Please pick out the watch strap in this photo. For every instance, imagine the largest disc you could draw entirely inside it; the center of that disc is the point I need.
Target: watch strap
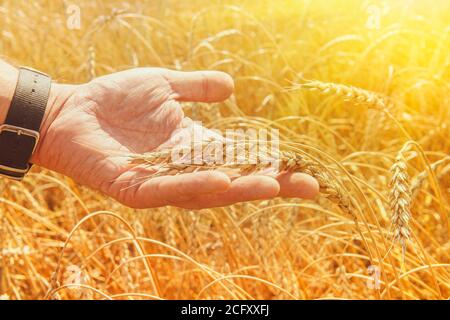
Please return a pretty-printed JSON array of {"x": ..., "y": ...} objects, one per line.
[
  {"x": 30, "y": 100},
  {"x": 19, "y": 134}
]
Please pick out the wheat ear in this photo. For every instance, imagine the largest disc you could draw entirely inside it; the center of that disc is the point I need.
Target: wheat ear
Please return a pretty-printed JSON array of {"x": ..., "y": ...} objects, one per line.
[
  {"x": 91, "y": 63},
  {"x": 348, "y": 93},
  {"x": 295, "y": 162},
  {"x": 288, "y": 161},
  {"x": 400, "y": 199}
]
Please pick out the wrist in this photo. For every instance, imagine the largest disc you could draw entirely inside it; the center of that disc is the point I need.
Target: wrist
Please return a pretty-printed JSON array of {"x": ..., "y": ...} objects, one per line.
[
  {"x": 8, "y": 81},
  {"x": 59, "y": 93},
  {"x": 29, "y": 102}
]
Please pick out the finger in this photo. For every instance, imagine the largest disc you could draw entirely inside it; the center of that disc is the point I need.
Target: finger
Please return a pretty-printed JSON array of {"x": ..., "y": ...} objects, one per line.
[
  {"x": 297, "y": 185},
  {"x": 162, "y": 191},
  {"x": 242, "y": 189},
  {"x": 201, "y": 86}
]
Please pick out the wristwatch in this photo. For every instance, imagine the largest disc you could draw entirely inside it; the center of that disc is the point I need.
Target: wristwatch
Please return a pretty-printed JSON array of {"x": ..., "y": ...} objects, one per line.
[{"x": 19, "y": 135}]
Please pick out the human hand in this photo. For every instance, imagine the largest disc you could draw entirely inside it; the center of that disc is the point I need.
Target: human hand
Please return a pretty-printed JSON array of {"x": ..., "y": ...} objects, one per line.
[{"x": 88, "y": 128}]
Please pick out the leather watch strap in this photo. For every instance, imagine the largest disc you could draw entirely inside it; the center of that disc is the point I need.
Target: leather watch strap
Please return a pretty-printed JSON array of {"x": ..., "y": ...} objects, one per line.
[{"x": 19, "y": 134}]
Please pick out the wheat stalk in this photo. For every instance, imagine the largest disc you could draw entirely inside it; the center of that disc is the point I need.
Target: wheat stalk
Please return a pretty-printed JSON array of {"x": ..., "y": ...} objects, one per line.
[
  {"x": 400, "y": 199},
  {"x": 287, "y": 161},
  {"x": 420, "y": 179}
]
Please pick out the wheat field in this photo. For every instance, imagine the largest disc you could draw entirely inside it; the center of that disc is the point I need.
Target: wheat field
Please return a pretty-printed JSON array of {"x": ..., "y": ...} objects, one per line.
[{"x": 360, "y": 87}]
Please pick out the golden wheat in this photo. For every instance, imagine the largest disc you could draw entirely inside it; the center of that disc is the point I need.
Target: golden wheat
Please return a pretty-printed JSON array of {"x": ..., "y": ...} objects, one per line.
[
  {"x": 259, "y": 250},
  {"x": 288, "y": 161},
  {"x": 91, "y": 63},
  {"x": 348, "y": 93},
  {"x": 400, "y": 199}
]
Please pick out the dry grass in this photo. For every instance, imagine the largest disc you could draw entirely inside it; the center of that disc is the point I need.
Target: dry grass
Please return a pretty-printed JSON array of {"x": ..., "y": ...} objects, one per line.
[{"x": 383, "y": 86}]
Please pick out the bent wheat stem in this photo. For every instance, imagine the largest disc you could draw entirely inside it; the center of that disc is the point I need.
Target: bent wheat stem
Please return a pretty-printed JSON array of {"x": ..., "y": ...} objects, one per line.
[{"x": 420, "y": 179}]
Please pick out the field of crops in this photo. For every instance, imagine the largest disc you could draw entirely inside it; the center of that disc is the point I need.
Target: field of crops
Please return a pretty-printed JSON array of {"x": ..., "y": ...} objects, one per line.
[{"x": 361, "y": 88}]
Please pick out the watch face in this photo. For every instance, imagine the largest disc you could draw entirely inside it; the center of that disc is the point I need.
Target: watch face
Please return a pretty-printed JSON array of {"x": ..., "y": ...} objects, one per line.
[{"x": 20, "y": 145}]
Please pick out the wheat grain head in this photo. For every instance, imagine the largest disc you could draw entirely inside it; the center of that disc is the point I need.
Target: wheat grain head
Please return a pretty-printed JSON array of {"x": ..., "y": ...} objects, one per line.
[
  {"x": 400, "y": 199},
  {"x": 288, "y": 161},
  {"x": 348, "y": 93}
]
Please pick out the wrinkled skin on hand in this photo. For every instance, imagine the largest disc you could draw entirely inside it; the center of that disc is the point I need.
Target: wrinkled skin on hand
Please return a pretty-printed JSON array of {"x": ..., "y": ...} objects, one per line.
[{"x": 89, "y": 128}]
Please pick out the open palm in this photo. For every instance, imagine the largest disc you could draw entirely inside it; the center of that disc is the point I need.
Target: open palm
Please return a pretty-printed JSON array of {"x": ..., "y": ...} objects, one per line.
[{"x": 91, "y": 127}]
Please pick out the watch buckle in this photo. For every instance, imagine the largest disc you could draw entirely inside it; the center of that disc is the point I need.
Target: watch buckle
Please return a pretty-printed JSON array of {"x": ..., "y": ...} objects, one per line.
[{"x": 19, "y": 131}]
